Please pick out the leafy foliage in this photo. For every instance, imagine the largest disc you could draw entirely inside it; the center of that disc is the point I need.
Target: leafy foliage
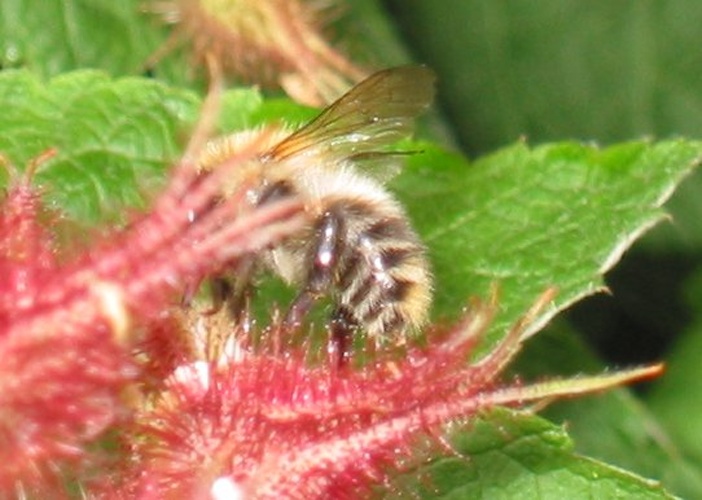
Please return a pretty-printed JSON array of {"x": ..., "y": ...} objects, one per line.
[
  {"x": 556, "y": 215},
  {"x": 507, "y": 456},
  {"x": 112, "y": 139},
  {"x": 526, "y": 217}
]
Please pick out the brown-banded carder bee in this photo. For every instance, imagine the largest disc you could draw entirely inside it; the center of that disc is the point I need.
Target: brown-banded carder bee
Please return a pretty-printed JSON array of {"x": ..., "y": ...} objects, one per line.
[{"x": 359, "y": 247}]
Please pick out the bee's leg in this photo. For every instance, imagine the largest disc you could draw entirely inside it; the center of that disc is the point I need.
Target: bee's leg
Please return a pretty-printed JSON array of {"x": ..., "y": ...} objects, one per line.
[
  {"x": 221, "y": 289},
  {"x": 230, "y": 288},
  {"x": 342, "y": 329},
  {"x": 233, "y": 289},
  {"x": 322, "y": 264},
  {"x": 239, "y": 290},
  {"x": 323, "y": 261}
]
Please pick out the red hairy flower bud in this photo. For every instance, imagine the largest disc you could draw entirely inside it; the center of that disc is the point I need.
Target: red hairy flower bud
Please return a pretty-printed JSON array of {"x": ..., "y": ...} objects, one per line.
[
  {"x": 267, "y": 424},
  {"x": 68, "y": 326}
]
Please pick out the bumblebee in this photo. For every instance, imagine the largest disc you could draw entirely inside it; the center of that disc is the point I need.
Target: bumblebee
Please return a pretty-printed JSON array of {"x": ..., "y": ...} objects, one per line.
[{"x": 359, "y": 247}]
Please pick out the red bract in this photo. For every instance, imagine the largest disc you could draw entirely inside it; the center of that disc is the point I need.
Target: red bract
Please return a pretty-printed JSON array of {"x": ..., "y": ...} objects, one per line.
[
  {"x": 267, "y": 423},
  {"x": 67, "y": 329}
]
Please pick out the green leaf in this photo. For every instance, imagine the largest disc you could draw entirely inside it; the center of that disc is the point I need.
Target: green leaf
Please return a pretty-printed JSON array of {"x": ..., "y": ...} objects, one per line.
[
  {"x": 509, "y": 455},
  {"x": 63, "y": 35},
  {"x": 616, "y": 427},
  {"x": 682, "y": 240},
  {"x": 113, "y": 137},
  {"x": 526, "y": 219},
  {"x": 554, "y": 69}
]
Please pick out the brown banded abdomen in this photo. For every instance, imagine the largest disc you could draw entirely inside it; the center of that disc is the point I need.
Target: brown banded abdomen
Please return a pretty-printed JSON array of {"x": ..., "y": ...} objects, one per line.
[{"x": 382, "y": 277}]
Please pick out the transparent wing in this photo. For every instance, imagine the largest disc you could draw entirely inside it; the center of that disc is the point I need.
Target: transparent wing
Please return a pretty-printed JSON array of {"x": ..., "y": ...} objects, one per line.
[{"x": 375, "y": 113}]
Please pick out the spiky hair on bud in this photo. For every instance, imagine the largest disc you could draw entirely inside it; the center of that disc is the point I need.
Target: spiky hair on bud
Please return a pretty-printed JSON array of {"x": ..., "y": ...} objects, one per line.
[
  {"x": 269, "y": 424},
  {"x": 68, "y": 323},
  {"x": 267, "y": 42}
]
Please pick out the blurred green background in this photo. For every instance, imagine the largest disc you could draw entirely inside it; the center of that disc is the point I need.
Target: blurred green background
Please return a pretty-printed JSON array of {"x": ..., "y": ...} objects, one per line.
[
  {"x": 596, "y": 71},
  {"x": 600, "y": 71}
]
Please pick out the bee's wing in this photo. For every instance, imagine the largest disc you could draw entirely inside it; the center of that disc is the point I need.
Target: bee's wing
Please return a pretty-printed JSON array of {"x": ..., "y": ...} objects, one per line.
[{"x": 375, "y": 113}]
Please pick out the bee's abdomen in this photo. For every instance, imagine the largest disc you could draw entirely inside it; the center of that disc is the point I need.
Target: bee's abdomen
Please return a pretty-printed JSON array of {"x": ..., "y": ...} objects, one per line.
[{"x": 382, "y": 280}]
